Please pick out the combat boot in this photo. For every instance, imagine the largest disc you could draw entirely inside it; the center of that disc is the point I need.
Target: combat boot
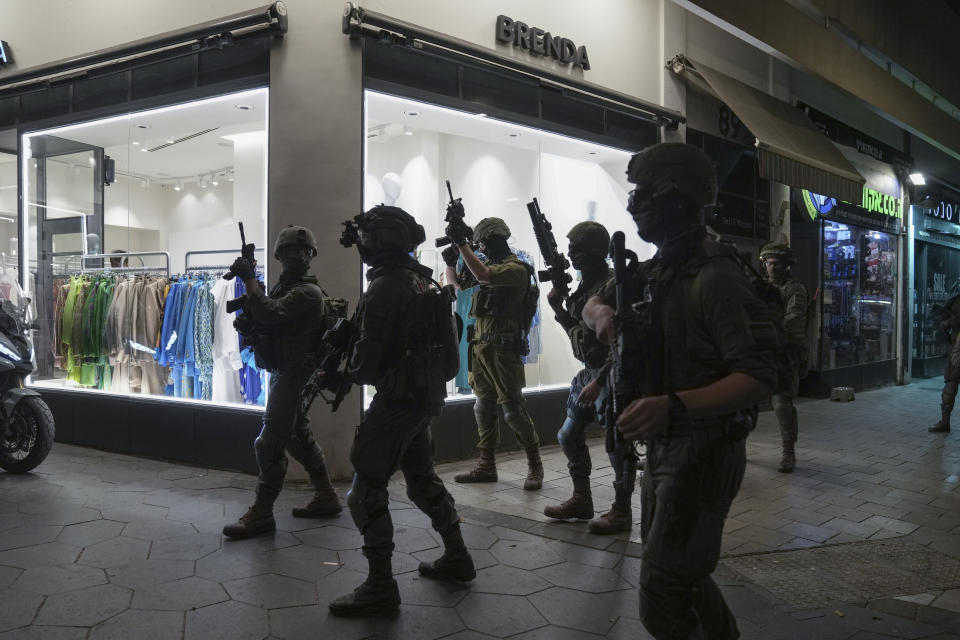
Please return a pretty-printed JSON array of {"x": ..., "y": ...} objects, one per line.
[
  {"x": 484, "y": 471},
  {"x": 455, "y": 564},
  {"x": 578, "y": 507},
  {"x": 257, "y": 520},
  {"x": 943, "y": 426},
  {"x": 534, "y": 479},
  {"x": 377, "y": 597},
  {"x": 617, "y": 520},
  {"x": 789, "y": 459},
  {"x": 325, "y": 502}
]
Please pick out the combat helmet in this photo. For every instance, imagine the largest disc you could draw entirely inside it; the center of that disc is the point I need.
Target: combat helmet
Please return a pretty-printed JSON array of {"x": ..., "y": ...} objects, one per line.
[
  {"x": 297, "y": 236},
  {"x": 675, "y": 165},
  {"x": 392, "y": 228},
  {"x": 489, "y": 228},
  {"x": 778, "y": 250},
  {"x": 592, "y": 236}
]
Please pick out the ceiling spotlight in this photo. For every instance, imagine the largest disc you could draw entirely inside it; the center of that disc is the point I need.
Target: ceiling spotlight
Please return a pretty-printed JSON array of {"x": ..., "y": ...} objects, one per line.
[
  {"x": 591, "y": 153},
  {"x": 142, "y": 126},
  {"x": 244, "y": 107},
  {"x": 144, "y": 149},
  {"x": 144, "y": 182},
  {"x": 408, "y": 133},
  {"x": 215, "y": 182},
  {"x": 230, "y": 176},
  {"x": 513, "y": 134},
  {"x": 169, "y": 141},
  {"x": 917, "y": 179},
  {"x": 203, "y": 182},
  {"x": 135, "y": 143},
  {"x": 178, "y": 186},
  {"x": 411, "y": 112}
]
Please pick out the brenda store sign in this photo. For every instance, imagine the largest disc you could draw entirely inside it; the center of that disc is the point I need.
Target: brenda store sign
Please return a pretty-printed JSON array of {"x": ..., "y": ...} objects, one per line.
[{"x": 541, "y": 42}]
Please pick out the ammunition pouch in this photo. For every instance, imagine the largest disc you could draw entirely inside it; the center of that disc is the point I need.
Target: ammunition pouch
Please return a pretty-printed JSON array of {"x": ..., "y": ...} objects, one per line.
[{"x": 260, "y": 339}]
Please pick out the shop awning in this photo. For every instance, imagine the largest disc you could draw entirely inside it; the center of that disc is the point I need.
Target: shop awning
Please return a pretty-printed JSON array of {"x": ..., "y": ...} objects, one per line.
[{"x": 790, "y": 149}]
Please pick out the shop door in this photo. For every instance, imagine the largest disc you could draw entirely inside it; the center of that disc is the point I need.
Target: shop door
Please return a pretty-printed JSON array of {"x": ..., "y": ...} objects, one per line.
[{"x": 65, "y": 181}]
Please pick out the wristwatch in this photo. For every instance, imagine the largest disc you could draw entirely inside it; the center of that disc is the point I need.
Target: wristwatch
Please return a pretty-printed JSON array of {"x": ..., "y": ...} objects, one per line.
[{"x": 677, "y": 409}]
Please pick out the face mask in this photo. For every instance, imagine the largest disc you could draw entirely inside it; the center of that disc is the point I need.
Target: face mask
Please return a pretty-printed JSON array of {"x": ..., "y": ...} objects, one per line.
[
  {"x": 645, "y": 213},
  {"x": 296, "y": 260}
]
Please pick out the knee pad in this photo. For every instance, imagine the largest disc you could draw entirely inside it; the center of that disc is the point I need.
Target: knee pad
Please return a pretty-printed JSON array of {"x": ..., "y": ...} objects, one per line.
[
  {"x": 485, "y": 411},
  {"x": 570, "y": 433},
  {"x": 366, "y": 502},
  {"x": 269, "y": 449}
]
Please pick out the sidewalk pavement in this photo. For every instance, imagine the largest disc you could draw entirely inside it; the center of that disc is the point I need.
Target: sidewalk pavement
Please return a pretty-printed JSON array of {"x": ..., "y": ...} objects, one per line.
[{"x": 861, "y": 542}]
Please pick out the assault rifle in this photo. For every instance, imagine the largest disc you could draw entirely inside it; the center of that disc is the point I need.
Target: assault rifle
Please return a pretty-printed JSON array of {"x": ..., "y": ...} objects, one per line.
[
  {"x": 625, "y": 372},
  {"x": 331, "y": 373},
  {"x": 557, "y": 263},
  {"x": 454, "y": 217},
  {"x": 246, "y": 250}
]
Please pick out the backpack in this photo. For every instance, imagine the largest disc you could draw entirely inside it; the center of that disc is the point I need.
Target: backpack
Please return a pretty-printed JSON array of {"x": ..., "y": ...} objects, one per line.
[
  {"x": 431, "y": 338},
  {"x": 528, "y": 309},
  {"x": 785, "y": 359}
]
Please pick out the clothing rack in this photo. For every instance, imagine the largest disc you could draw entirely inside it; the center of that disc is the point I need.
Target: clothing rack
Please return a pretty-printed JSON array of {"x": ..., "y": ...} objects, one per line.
[
  {"x": 210, "y": 267},
  {"x": 144, "y": 269}
]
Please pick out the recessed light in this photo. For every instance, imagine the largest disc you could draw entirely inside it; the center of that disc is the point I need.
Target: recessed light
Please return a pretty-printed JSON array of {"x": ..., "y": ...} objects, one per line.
[
  {"x": 408, "y": 133},
  {"x": 591, "y": 153},
  {"x": 144, "y": 149},
  {"x": 513, "y": 134},
  {"x": 411, "y": 112},
  {"x": 169, "y": 141},
  {"x": 135, "y": 143},
  {"x": 244, "y": 107},
  {"x": 142, "y": 126}
]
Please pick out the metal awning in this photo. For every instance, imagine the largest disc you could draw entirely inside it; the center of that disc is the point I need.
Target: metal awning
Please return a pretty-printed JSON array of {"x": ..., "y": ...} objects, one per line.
[{"x": 790, "y": 149}]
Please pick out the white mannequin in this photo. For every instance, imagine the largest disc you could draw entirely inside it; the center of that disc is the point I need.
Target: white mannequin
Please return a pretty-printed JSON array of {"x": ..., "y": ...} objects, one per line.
[{"x": 392, "y": 185}]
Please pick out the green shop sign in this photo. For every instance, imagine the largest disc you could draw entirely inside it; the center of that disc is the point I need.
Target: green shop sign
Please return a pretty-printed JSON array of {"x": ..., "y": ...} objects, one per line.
[{"x": 872, "y": 201}]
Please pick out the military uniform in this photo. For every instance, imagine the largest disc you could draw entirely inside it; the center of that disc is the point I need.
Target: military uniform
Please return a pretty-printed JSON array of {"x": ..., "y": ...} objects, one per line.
[
  {"x": 951, "y": 374},
  {"x": 496, "y": 371},
  {"x": 702, "y": 322},
  {"x": 294, "y": 314},
  {"x": 794, "y": 297},
  {"x": 290, "y": 323},
  {"x": 395, "y": 431}
]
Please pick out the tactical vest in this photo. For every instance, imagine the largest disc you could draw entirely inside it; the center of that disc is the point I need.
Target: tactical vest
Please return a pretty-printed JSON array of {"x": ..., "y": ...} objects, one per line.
[{"x": 587, "y": 348}]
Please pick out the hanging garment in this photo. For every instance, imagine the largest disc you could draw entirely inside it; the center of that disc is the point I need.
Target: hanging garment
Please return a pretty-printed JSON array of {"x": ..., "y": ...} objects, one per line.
[{"x": 226, "y": 347}]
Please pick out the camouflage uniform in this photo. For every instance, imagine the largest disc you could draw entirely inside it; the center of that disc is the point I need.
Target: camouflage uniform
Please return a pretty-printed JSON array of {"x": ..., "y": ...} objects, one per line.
[{"x": 794, "y": 296}]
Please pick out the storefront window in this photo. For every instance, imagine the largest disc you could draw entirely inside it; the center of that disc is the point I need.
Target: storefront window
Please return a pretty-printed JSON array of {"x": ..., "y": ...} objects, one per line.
[
  {"x": 9, "y": 215},
  {"x": 938, "y": 279},
  {"x": 859, "y": 295},
  {"x": 496, "y": 167},
  {"x": 129, "y": 222}
]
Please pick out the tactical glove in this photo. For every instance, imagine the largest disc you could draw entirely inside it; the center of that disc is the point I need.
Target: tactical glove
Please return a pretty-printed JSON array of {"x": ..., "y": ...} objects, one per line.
[
  {"x": 244, "y": 268},
  {"x": 450, "y": 256},
  {"x": 458, "y": 233}
]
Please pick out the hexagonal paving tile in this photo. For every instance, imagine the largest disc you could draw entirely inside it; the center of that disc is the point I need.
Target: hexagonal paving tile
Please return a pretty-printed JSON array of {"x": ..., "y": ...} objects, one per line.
[
  {"x": 585, "y": 555},
  {"x": 45, "y": 505},
  {"x": 226, "y": 564},
  {"x": 402, "y": 562},
  {"x": 507, "y": 581},
  {"x": 28, "y": 534},
  {"x": 39, "y": 632},
  {"x": 415, "y": 589},
  {"x": 66, "y": 515},
  {"x": 303, "y": 562},
  {"x": 116, "y": 552},
  {"x": 60, "y": 578},
  {"x": 146, "y": 573},
  {"x": 417, "y": 621},
  {"x": 499, "y": 615},
  {"x": 525, "y": 555},
  {"x": 331, "y": 537},
  {"x": 41, "y": 555},
  {"x": 196, "y": 511},
  {"x": 270, "y": 591},
  {"x": 305, "y": 622},
  {"x": 19, "y": 608},
  {"x": 158, "y": 529},
  {"x": 86, "y": 534},
  {"x": 139, "y": 624},
  {"x": 477, "y": 537},
  {"x": 583, "y": 578},
  {"x": 189, "y": 547},
  {"x": 234, "y": 620},
  {"x": 574, "y": 609},
  {"x": 8, "y": 575},
  {"x": 13, "y": 519},
  {"x": 179, "y": 595},
  {"x": 84, "y": 608},
  {"x": 412, "y": 539}
]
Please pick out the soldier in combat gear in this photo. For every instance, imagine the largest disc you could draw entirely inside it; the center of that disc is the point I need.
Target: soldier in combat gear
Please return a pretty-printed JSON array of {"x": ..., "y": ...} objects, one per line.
[
  {"x": 950, "y": 323},
  {"x": 292, "y": 316},
  {"x": 777, "y": 258},
  {"x": 589, "y": 246},
  {"x": 496, "y": 370},
  {"x": 395, "y": 431},
  {"x": 707, "y": 343}
]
